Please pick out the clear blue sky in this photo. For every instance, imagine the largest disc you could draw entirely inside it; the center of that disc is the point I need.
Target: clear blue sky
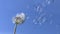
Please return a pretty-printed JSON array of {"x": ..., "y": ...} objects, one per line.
[{"x": 9, "y": 8}]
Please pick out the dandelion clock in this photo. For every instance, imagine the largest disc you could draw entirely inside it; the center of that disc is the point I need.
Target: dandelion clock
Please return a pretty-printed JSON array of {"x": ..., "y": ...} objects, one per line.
[{"x": 18, "y": 19}]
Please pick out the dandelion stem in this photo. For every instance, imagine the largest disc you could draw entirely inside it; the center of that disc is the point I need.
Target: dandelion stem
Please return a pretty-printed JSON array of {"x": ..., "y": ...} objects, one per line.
[{"x": 15, "y": 27}]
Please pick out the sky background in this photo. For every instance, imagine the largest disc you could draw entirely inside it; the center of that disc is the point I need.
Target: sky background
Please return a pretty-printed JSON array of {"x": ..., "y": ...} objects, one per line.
[{"x": 50, "y": 13}]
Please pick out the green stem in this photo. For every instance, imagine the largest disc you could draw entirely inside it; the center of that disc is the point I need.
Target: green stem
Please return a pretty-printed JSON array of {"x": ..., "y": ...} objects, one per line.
[{"x": 15, "y": 27}]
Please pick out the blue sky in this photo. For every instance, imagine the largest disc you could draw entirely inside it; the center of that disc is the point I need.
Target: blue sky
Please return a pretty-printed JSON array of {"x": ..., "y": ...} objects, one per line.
[{"x": 9, "y": 8}]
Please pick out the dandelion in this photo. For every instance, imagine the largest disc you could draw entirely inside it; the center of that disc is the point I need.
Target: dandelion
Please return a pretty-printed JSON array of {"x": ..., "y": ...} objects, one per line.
[{"x": 18, "y": 19}]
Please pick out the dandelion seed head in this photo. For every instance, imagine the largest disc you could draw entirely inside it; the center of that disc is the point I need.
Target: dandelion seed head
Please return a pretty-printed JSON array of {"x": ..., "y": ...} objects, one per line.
[{"x": 19, "y": 18}]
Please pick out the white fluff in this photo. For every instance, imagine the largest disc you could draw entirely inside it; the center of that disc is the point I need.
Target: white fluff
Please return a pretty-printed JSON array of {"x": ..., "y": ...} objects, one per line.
[{"x": 19, "y": 18}]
